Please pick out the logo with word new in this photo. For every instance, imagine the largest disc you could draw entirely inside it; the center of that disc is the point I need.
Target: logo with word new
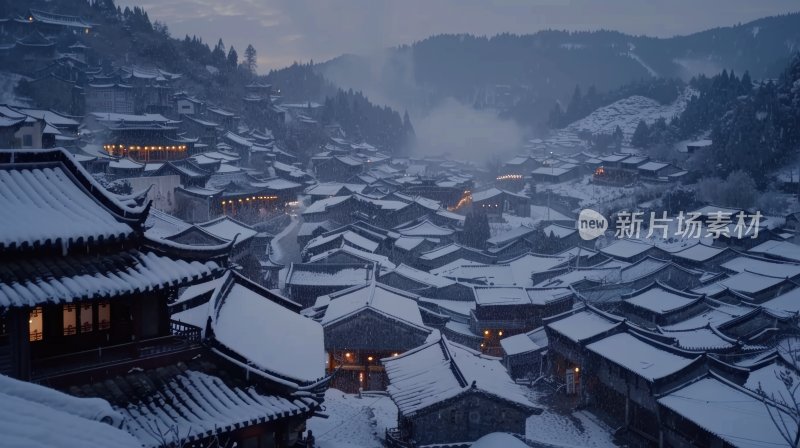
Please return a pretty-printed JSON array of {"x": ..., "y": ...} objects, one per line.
[{"x": 591, "y": 224}]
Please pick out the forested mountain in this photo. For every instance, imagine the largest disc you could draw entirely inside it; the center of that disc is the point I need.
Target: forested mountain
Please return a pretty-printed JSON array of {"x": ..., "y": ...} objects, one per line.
[
  {"x": 217, "y": 73},
  {"x": 545, "y": 67},
  {"x": 754, "y": 127},
  {"x": 355, "y": 113}
]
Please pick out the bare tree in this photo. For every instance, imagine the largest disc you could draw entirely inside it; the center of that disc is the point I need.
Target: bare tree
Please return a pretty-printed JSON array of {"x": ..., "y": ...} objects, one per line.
[
  {"x": 782, "y": 404},
  {"x": 169, "y": 436}
]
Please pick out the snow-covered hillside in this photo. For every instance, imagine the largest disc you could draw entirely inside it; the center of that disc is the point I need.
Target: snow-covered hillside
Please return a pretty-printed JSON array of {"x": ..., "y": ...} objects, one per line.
[{"x": 627, "y": 112}]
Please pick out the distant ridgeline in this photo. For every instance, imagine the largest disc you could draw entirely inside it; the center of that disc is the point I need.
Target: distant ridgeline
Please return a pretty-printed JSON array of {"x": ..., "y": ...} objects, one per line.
[
  {"x": 753, "y": 125},
  {"x": 523, "y": 75},
  {"x": 127, "y": 37}
]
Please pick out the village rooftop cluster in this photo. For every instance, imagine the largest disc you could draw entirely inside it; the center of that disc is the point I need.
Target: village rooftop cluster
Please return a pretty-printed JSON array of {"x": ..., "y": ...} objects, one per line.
[{"x": 218, "y": 299}]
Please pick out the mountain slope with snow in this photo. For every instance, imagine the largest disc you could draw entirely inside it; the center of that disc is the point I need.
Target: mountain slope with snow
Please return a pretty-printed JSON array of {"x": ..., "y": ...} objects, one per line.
[{"x": 627, "y": 112}]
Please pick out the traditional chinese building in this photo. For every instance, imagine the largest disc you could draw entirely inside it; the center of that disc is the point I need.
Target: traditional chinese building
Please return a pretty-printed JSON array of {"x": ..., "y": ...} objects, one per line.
[
  {"x": 364, "y": 324},
  {"x": 83, "y": 309},
  {"x": 450, "y": 395},
  {"x": 144, "y": 138}
]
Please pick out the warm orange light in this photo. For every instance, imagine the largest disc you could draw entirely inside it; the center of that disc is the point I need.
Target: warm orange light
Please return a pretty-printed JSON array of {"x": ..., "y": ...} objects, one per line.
[
  {"x": 369, "y": 358},
  {"x": 500, "y": 333},
  {"x": 347, "y": 355},
  {"x": 577, "y": 369},
  {"x": 486, "y": 332}
]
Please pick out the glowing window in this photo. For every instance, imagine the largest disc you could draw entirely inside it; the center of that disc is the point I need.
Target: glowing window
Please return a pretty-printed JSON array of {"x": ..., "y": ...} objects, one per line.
[
  {"x": 104, "y": 316},
  {"x": 70, "y": 319},
  {"x": 87, "y": 318},
  {"x": 35, "y": 324}
]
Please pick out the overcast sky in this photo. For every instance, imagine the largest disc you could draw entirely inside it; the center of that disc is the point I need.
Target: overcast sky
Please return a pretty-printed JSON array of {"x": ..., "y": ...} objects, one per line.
[{"x": 283, "y": 31}]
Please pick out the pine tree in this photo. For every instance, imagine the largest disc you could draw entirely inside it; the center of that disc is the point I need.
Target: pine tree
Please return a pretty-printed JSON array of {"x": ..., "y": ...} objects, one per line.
[
  {"x": 250, "y": 59},
  {"x": 476, "y": 229},
  {"x": 575, "y": 106},
  {"x": 233, "y": 58},
  {"x": 556, "y": 117},
  {"x": 641, "y": 135},
  {"x": 218, "y": 55}
]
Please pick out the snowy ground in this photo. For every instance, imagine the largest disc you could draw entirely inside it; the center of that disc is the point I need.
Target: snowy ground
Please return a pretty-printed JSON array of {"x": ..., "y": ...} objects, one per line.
[
  {"x": 538, "y": 214},
  {"x": 354, "y": 422},
  {"x": 285, "y": 249},
  {"x": 568, "y": 430},
  {"x": 361, "y": 423},
  {"x": 627, "y": 112},
  {"x": 559, "y": 426}
]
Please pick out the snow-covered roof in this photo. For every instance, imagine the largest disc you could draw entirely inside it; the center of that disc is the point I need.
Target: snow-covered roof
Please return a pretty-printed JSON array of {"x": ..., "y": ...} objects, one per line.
[
  {"x": 390, "y": 302},
  {"x": 408, "y": 243},
  {"x": 510, "y": 235},
  {"x": 349, "y": 160},
  {"x": 349, "y": 237},
  {"x": 626, "y": 248},
  {"x": 583, "y": 325},
  {"x": 59, "y": 19},
  {"x": 498, "y": 440},
  {"x": 245, "y": 319},
  {"x": 493, "y": 192},
  {"x": 717, "y": 314},
  {"x": 487, "y": 274},
  {"x": 782, "y": 249},
  {"x": 699, "y": 252},
  {"x": 37, "y": 416},
  {"x": 382, "y": 260},
  {"x": 50, "y": 117},
  {"x": 187, "y": 402},
  {"x": 93, "y": 278},
  {"x": 553, "y": 171},
  {"x": 125, "y": 164},
  {"x": 524, "y": 342},
  {"x": 731, "y": 413},
  {"x": 130, "y": 118},
  {"x": 525, "y": 265},
  {"x": 441, "y": 251},
  {"x": 277, "y": 184},
  {"x": 228, "y": 228},
  {"x": 47, "y": 203},
  {"x": 660, "y": 299},
  {"x": 750, "y": 283},
  {"x": 558, "y": 231},
  {"x": 441, "y": 370},
  {"x": 510, "y": 295},
  {"x": 322, "y": 205},
  {"x": 787, "y": 302},
  {"x": 422, "y": 276},
  {"x": 308, "y": 228},
  {"x": 648, "y": 360},
  {"x": 763, "y": 267},
  {"x": 768, "y": 376},
  {"x": 653, "y": 166},
  {"x": 606, "y": 273},
  {"x": 705, "y": 338},
  {"x": 323, "y": 275},
  {"x": 426, "y": 228},
  {"x": 333, "y": 188},
  {"x": 700, "y": 143}
]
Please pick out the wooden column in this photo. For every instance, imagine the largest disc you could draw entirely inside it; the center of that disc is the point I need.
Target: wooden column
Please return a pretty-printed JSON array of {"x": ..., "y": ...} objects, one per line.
[{"x": 19, "y": 343}]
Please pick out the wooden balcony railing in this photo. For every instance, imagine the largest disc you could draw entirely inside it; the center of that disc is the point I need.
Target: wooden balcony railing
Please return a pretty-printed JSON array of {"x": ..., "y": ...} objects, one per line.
[
  {"x": 186, "y": 331},
  {"x": 183, "y": 337}
]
